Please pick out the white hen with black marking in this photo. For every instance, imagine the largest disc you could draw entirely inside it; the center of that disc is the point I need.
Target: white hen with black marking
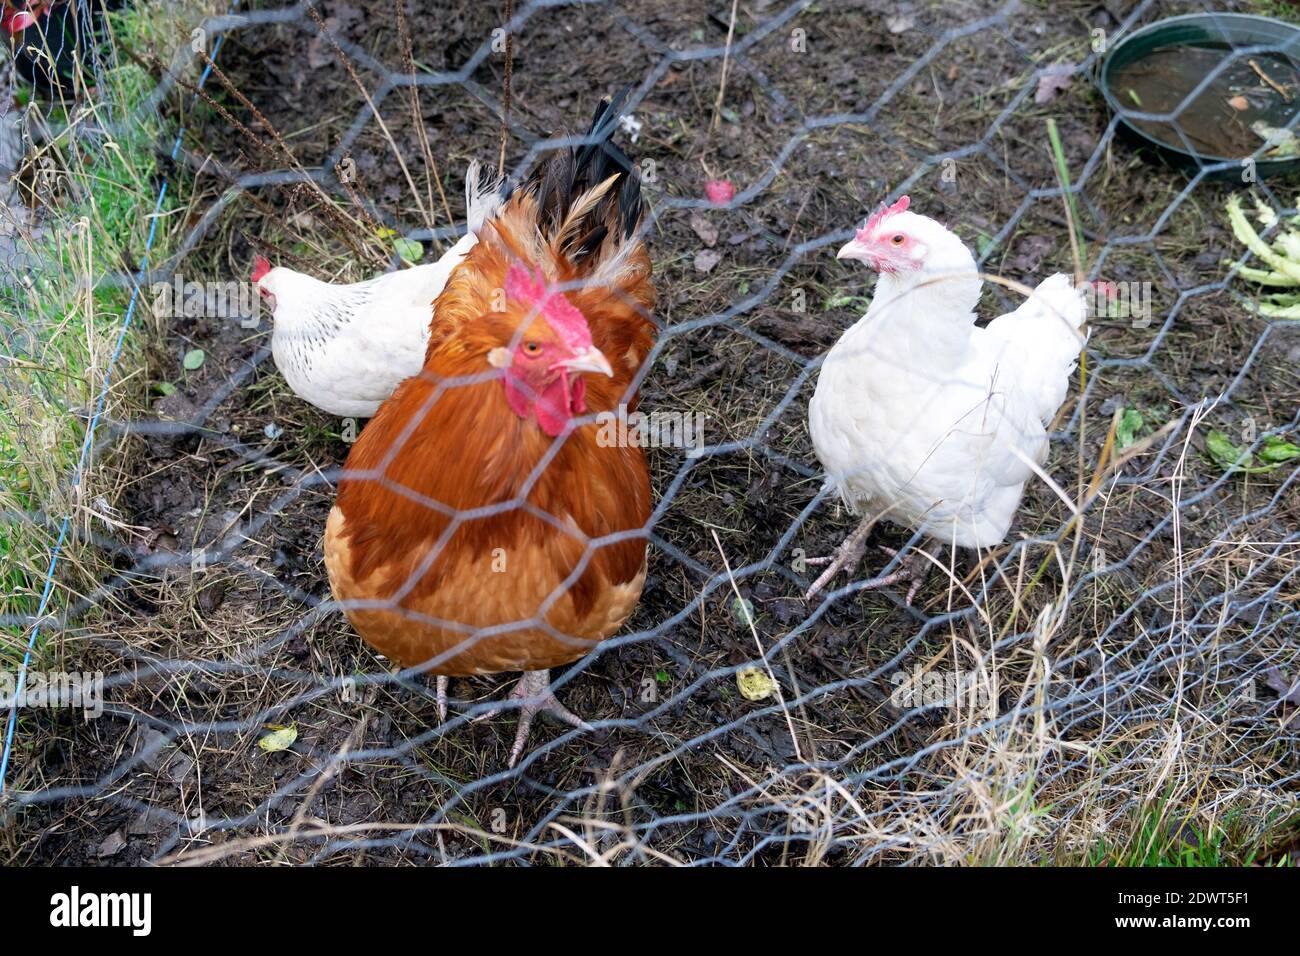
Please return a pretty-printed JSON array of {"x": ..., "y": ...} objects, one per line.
[{"x": 344, "y": 348}]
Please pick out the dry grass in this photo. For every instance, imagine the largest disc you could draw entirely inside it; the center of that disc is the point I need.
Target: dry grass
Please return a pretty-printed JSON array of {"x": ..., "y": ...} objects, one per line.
[{"x": 90, "y": 175}]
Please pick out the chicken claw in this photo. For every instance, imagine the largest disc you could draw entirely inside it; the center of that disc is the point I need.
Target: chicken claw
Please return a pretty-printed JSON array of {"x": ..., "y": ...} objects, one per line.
[
  {"x": 534, "y": 690},
  {"x": 846, "y": 557},
  {"x": 915, "y": 568},
  {"x": 442, "y": 682}
]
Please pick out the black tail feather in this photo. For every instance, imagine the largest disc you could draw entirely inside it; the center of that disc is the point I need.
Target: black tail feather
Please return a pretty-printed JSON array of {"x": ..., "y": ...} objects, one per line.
[{"x": 571, "y": 171}]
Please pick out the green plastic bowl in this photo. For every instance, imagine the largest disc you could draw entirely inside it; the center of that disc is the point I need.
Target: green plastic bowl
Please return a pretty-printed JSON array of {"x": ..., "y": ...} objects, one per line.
[{"x": 1200, "y": 30}]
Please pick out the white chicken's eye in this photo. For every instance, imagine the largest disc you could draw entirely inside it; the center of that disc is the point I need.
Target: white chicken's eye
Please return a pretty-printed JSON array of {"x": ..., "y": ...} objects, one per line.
[{"x": 898, "y": 239}]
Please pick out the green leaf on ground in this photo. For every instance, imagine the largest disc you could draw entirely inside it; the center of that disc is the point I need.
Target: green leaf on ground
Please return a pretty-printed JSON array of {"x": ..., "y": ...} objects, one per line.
[
  {"x": 408, "y": 250},
  {"x": 1130, "y": 423},
  {"x": 1274, "y": 452},
  {"x": 1277, "y": 450},
  {"x": 1224, "y": 453},
  {"x": 743, "y": 610}
]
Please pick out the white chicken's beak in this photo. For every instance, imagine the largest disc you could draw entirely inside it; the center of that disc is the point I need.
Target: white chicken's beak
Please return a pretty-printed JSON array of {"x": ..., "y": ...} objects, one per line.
[
  {"x": 854, "y": 250},
  {"x": 589, "y": 360}
]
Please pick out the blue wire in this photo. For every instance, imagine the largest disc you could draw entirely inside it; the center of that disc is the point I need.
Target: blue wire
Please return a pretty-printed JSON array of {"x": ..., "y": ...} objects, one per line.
[{"x": 90, "y": 436}]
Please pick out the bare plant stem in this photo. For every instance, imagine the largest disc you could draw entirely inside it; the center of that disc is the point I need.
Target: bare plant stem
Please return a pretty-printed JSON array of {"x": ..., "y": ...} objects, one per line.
[
  {"x": 417, "y": 116},
  {"x": 505, "y": 90},
  {"x": 726, "y": 63}
]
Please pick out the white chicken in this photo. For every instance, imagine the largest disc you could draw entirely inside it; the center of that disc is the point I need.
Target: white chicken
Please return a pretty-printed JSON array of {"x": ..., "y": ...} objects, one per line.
[
  {"x": 924, "y": 419},
  {"x": 344, "y": 348}
]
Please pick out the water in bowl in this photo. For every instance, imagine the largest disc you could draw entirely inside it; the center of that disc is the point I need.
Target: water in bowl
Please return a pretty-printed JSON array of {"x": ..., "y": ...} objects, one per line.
[{"x": 1247, "y": 106}]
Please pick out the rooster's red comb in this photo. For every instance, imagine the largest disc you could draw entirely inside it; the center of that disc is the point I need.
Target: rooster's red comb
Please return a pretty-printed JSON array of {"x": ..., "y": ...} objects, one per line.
[
  {"x": 879, "y": 215},
  {"x": 561, "y": 314},
  {"x": 261, "y": 266}
]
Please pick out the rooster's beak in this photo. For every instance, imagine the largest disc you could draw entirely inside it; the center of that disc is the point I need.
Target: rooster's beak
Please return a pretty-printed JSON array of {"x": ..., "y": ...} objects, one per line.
[{"x": 588, "y": 360}]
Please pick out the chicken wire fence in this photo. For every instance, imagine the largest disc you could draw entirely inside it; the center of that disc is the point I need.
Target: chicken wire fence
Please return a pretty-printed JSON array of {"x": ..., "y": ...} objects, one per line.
[{"x": 1193, "y": 671}]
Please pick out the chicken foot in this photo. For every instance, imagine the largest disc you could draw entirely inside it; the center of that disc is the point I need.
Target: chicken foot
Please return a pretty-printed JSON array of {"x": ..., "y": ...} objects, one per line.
[
  {"x": 914, "y": 568},
  {"x": 534, "y": 690},
  {"x": 847, "y": 557}
]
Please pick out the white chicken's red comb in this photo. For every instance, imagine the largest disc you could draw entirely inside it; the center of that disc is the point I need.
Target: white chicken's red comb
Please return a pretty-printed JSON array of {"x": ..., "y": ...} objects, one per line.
[
  {"x": 561, "y": 314},
  {"x": 879, "y": 215},
  {"x": 261, "y": 266}
]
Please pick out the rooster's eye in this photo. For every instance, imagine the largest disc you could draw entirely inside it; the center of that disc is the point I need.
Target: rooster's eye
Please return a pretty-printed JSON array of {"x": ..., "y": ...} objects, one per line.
[
  {"x": 897, "y": 240},
  {"x": 532, "y": 348}
]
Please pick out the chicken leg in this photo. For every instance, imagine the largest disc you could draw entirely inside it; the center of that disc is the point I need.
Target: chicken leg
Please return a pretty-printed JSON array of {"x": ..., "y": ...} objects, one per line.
[{"x": 534, "y": 692}]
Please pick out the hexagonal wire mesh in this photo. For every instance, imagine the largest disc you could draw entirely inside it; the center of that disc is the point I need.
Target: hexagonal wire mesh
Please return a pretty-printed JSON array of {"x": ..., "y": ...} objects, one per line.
[{"x": 1112, "y": 645}]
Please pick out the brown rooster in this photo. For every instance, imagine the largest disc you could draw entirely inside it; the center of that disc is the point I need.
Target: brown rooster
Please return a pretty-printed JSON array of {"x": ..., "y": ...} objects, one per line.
[{"x": 479, "y": 528}]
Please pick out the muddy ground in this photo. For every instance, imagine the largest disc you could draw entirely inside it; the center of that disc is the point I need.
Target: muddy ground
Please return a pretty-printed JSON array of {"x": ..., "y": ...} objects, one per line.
[{"x": 208, "y": 654}]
